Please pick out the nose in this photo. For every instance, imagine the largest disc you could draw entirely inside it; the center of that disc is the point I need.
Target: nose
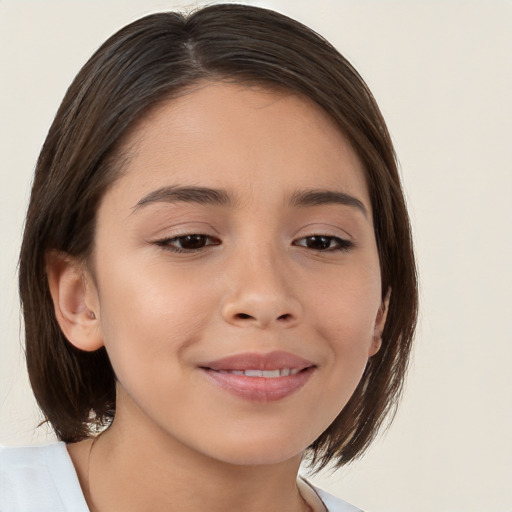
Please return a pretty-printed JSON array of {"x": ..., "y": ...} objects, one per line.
[{"x": 261, "y": 295}]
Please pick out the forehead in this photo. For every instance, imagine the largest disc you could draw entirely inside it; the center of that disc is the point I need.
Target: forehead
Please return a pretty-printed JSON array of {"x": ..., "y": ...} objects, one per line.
[{"x": 248, "y": 140}]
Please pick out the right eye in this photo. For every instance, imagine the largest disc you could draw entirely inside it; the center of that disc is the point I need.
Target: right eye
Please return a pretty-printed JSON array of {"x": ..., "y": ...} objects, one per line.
[{"x": 187, "y": 243}]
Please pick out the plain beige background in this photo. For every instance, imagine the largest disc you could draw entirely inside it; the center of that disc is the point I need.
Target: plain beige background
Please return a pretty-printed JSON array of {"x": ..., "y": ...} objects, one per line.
[{"x": 441, "y": 72}]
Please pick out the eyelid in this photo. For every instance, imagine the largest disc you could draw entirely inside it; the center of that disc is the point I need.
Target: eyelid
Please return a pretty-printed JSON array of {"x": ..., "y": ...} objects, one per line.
[
  {"x": 175, "y": 228},
  {"x": 327, "y": 229}
]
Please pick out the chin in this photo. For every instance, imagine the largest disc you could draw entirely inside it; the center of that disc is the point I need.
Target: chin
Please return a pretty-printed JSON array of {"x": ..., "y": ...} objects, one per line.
[
  {"x": 259, "y": 452},
  {"x": 259, "y": 458}
]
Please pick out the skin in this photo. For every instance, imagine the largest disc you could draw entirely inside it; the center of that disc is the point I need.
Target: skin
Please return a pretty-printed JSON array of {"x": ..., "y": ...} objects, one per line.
[{"x": 258, "y": 282}]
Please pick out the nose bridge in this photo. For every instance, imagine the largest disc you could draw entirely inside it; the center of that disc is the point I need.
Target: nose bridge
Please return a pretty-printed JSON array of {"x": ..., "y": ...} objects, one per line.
[{"x": 260, "y": 292}]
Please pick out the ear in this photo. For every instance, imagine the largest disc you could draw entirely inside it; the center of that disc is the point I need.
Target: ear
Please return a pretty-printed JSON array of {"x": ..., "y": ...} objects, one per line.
[
  {"x": 75, "y": 300},
  {"x": 380, "y": 322}
]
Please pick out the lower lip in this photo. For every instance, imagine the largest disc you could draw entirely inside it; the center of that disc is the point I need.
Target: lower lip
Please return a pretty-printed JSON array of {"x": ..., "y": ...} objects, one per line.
[{"x": 260, "y": 389}]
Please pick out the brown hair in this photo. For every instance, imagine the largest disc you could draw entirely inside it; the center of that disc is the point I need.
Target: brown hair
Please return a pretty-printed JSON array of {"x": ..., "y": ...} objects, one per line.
[{"x": 147, "y": 62}]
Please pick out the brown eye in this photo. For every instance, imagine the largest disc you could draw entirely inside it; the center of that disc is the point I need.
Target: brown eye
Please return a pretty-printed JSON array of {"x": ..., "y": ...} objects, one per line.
[
  {"x": 192, "y": 241},
  {"x": 324, "y": 243},
  {"x": 188, "y": 243},
  {"x": 320, "y": 243}
]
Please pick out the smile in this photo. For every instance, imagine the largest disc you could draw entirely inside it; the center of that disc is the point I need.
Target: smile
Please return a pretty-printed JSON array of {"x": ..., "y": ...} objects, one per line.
[{"x": 259, "y": 377}]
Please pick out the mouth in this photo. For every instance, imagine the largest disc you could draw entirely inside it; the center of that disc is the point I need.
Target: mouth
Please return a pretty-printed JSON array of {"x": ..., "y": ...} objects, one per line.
[
  {"x": 260, "y": 377},
  {"x": 267, "y": 374}
]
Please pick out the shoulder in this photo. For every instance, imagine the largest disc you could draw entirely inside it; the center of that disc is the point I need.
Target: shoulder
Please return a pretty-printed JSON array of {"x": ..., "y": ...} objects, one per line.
[
  {"x": 39, "y": 479},
  {"x": 330, "y": 503}
]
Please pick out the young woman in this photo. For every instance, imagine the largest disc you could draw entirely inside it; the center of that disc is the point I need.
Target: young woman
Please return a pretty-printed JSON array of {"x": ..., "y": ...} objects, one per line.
[{"x": 217, "y": 274}]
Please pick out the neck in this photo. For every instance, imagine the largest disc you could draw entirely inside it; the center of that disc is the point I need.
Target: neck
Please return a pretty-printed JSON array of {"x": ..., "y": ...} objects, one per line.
[{"x": 132, "y": 470}]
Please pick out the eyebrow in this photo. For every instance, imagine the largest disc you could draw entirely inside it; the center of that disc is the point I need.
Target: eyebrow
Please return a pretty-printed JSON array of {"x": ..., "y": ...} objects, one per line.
[
  {"x": 323, "y": 197},
  {"x": 176, "y": 193},
  {"x": 219, "y": 197}
]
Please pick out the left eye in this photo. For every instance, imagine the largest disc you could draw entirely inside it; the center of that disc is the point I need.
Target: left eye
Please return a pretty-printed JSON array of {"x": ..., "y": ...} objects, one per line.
[
  {"x": 188, "y": 243},
  {"x": 324, "y": 243}
]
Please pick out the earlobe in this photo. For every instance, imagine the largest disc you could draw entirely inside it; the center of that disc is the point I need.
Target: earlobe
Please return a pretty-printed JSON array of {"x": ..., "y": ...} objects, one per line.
[
  {"x": 75, "y": 301},
  {"x": 380, "y": 322}
]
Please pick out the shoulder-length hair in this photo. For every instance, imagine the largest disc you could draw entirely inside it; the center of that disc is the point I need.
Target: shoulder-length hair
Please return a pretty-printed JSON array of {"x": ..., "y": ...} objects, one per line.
[{"x": 150, "y": 61}]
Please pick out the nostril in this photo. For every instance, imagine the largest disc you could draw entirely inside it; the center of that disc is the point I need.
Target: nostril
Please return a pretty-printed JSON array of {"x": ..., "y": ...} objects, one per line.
[
  {"x": 243, "y": 316},
  {"x": 286, "y": 316}
]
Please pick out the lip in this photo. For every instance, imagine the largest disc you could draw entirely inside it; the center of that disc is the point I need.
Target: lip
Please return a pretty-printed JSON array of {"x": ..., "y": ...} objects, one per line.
[{"x": 259, "y": 389}]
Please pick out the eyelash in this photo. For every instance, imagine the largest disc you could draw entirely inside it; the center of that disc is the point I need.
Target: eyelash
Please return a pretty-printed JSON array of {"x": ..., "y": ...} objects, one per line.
[{"x": 340, "y": 244}]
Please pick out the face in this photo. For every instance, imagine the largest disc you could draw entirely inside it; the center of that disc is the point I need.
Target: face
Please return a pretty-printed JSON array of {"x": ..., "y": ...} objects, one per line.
[{"x": 236, "y": 278}]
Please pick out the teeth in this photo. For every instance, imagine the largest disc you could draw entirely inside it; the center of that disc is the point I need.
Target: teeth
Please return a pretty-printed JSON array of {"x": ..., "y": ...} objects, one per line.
[{"x": 268, "y": 374}]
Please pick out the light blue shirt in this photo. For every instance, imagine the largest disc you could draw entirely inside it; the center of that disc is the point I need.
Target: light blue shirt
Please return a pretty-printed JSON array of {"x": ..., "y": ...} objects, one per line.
[{"x": 43, "y": 479}]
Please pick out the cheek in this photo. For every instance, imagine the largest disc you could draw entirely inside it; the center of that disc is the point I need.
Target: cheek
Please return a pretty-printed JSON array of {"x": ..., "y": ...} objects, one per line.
[
  {"x": 151, "y": 315},
  {"x": 346, "y": 321},
  {"x": 347, "y": 325},
  {"x": 347, "y": 310}
]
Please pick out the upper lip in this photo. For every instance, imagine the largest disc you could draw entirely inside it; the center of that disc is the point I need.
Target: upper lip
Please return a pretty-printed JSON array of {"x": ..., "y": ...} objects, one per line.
[{"x": 256, "y": 361}]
